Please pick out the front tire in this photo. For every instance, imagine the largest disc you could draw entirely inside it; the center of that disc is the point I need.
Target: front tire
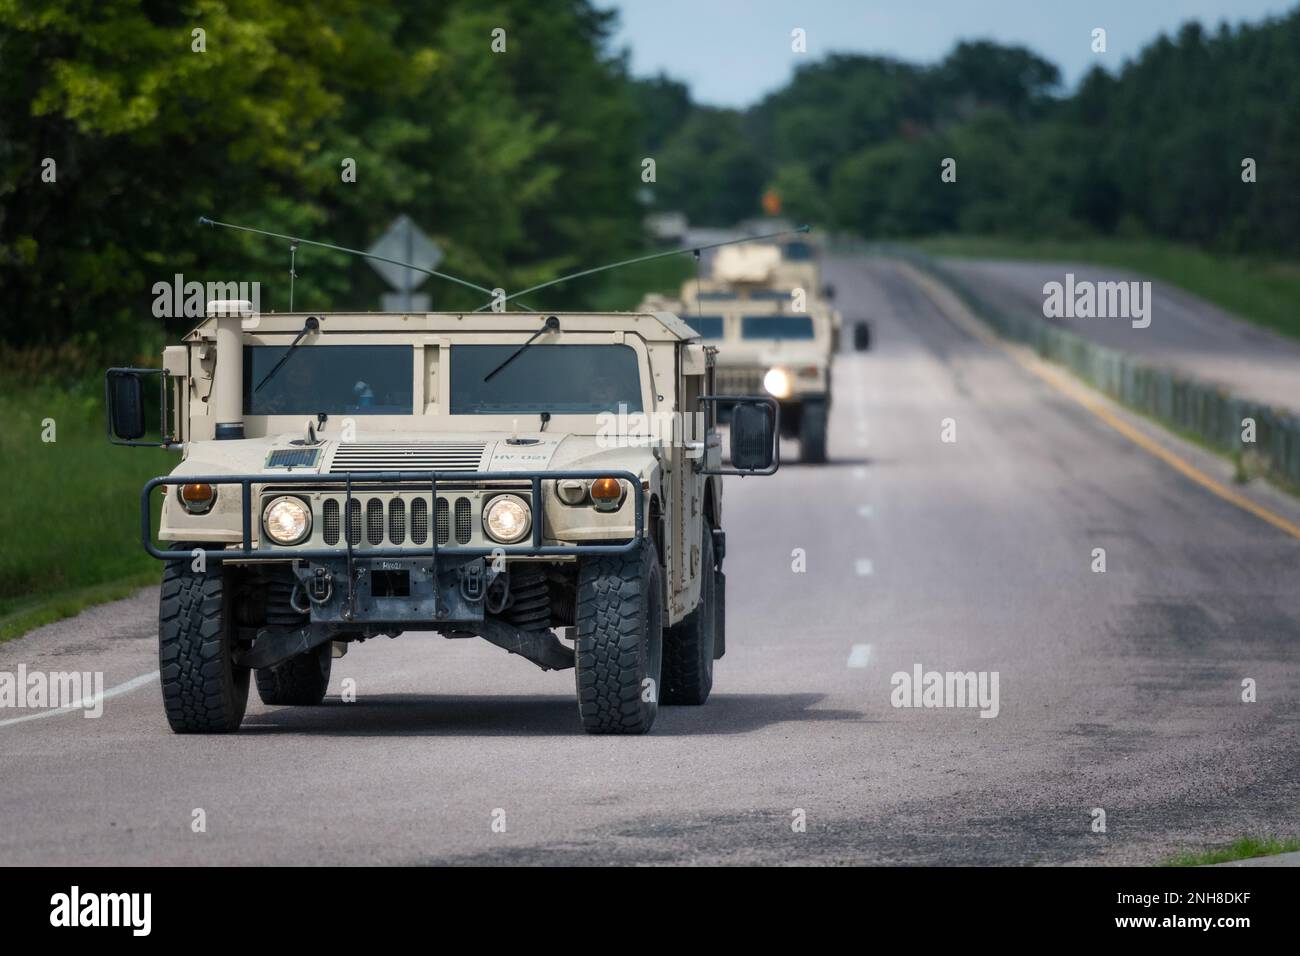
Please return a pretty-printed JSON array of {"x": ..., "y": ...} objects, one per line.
[
  {"x": 619, "y": 641},
  {"x": 204, "y": 692},
  {"x": 689, "y": 647},
  {"x": 812, "y": 433},
  {"x": 300, "y": 681}
]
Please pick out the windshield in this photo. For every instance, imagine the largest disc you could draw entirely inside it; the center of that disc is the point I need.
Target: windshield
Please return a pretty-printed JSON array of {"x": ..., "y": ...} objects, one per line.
[
  {"x": 709, "y": 326},
  {"x": 776, "y": 327},
  {"x": 560, "y": 379},
  {"x": 334, "y": 379}
]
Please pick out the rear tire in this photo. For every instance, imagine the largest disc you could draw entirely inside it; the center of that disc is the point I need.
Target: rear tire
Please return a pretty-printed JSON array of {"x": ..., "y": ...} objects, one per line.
[
  {"x": 689, "y": 647},
  {"x": 619, "y": 642},
  {"x": 203, "y": 691},
  {"x": 812, "y": 433},
  {"x": 861, "y": 337},
  {"x": 300, "y": 681}
]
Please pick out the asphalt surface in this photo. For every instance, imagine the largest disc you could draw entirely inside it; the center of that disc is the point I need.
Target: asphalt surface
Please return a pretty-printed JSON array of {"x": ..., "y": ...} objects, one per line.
[
  {"x": 1118, "y": 691},
  {"x": 1186, "y": 333}
]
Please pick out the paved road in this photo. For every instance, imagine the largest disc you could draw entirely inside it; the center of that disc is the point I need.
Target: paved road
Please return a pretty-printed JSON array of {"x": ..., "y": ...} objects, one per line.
[
  {"x": 1118, "y": 691},
  {"x": 1186, "y": 333}
]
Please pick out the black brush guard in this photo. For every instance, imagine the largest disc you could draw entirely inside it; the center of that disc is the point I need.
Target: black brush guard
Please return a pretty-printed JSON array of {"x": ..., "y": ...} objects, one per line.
[{"x": 413, "y": 480}]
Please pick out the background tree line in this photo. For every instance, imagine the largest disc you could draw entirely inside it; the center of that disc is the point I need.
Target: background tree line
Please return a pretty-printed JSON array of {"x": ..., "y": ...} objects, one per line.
[
  {"x": 526, "y": 163},
  {"x": 856, "y": 143},
  {"x": 522, "y": 164}
]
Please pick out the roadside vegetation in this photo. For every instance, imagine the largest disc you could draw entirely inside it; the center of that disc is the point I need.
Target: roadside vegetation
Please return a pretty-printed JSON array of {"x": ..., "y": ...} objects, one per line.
[
  {"x": 625, "y": 288},
  {"x": 70, "y": 507},
  {"x": 1258, "y": 289},
  {"x": 1246, "y": 848}
]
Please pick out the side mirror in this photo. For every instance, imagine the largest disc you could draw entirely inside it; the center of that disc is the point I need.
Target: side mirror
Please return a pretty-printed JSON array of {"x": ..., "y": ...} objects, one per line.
[
  {"x": 125, "y": 404},
  {"x": 753, "y": 436},
  {"x": 755, "y": 425},
  {"x": 861, "y": 337}
]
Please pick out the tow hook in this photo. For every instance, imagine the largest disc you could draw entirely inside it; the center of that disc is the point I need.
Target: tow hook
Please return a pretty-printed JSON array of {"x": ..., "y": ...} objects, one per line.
[
  {"x": 322, "y": 586},
  {"x": 471, "y": 581}
]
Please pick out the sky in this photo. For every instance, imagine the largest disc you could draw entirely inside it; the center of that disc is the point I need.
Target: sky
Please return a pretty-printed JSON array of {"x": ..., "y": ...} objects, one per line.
[{"x": 732, "y": 52}]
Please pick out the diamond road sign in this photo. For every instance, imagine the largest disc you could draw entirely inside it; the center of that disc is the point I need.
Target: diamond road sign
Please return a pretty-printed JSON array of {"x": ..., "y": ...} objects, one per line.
[{"x": 405, "y": 242}]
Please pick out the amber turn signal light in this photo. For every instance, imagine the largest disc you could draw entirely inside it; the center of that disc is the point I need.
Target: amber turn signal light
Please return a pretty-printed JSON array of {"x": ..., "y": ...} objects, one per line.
[
  {"x": 197, "y": 497},
  {"x": 606, "y": 489}
]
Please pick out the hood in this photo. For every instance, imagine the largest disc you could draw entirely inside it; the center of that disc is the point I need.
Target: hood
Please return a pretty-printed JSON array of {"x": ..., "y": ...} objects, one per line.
[{"x": 415, "y": 451}]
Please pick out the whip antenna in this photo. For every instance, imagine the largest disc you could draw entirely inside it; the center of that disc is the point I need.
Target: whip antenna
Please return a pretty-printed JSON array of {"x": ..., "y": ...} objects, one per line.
[
  {"x": 295, "y": 240},
  {"x": 695, "y": 250}
]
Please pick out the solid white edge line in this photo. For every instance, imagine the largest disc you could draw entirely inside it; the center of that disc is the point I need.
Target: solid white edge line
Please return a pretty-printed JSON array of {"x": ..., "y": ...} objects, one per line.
[{"x": 133, "y": 684}]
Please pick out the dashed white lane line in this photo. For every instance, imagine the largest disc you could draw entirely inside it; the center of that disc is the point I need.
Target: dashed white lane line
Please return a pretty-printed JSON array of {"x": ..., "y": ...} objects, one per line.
[
  {"x": 859, "y": 473},
  {"x": 864, "y": 568},
  {"x": 860, "y": 655},
  {"x": 135, "y": 683},
  {"x": 865, "y": 511}
]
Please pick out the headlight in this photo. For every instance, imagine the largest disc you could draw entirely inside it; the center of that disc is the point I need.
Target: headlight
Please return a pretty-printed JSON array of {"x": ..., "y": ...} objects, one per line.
[
  {"x": 286, "y": 520},
  {"x": 777, "y": 382},
  {"x": 507, "y": 518}
]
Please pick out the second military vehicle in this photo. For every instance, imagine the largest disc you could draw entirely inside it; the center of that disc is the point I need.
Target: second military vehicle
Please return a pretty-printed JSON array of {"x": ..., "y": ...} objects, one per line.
[{"x": 774, "y": 333}]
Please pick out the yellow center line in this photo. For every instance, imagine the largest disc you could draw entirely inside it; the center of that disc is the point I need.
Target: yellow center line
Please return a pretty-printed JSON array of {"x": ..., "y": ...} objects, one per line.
[{"x": 956, "y": 311}]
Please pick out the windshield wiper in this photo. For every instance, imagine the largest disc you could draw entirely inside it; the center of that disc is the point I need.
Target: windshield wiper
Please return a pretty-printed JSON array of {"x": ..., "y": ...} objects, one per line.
[
  {"x": 552, "y": 324},
  {"x": 312, "y": 324}
]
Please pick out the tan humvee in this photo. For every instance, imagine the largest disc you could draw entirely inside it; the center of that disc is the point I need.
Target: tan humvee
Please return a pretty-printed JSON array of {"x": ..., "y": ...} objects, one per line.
[
  {"x": 774, "y": 331},
  {"x": 550, "y": 483}
]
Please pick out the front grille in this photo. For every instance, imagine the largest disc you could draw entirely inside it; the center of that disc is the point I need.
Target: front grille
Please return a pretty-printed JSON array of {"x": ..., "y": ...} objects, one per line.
[
  {"x": 463, "y": 526},
  {"x": 397, "y": 521},
  {"x": 407, "y": 456},
  {"x": 419, "y": 521},
  {"x": 444, "y": 533},
  {"x": 396, "y": 518},
  {"x": 738, "y": 381},
  {"x": 330, "y": 522},
  {"x": 354, "y": 522}
]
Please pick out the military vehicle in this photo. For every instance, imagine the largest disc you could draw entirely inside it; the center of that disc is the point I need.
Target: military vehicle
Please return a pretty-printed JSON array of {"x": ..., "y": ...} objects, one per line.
[
  {"x": 774, "y": 334},
  {"x": 548, "y": 482}
]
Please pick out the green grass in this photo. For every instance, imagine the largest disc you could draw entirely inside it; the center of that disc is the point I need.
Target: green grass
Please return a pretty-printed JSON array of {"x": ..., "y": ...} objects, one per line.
[
  {"x": 1244, "y": 849},
  {"x": 1263, "y": 291},
  {"x": 70, "y": 508}
]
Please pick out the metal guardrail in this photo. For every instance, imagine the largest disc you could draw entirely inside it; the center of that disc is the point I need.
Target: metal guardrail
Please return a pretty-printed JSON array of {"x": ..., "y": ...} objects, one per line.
[
  {"x": 1205, "y": 412},
  {"x": 350, "y": 480}
]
